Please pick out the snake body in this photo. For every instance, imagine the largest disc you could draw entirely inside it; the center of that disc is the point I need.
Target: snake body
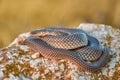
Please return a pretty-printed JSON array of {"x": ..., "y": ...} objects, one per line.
[{"x": 74, "y": 45}]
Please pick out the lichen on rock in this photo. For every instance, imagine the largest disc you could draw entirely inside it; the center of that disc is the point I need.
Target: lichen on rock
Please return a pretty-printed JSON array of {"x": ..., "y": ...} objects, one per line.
[{"x": 19, "y": 62}]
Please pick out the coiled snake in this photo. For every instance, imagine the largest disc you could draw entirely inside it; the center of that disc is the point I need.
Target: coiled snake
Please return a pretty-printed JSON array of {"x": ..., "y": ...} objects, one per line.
[{"x": 74, "y": 45}]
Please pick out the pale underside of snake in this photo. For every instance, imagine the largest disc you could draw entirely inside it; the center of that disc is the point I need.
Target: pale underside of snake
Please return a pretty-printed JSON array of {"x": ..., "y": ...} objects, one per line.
[{"x": 74, "y": 45}]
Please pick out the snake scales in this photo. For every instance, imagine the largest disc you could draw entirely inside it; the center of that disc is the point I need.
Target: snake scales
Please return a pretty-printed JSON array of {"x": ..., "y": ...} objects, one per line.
[{"x": 74, "y": 45}]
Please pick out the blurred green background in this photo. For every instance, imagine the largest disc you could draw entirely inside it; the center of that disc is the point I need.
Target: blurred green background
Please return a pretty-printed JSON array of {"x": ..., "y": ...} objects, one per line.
[{"x": 18, "y": 16}]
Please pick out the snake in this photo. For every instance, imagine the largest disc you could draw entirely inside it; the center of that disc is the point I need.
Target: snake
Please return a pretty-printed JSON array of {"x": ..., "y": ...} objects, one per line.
[
  {"x": 74, "y": 39},
  {"x": 74, "y": 45}
]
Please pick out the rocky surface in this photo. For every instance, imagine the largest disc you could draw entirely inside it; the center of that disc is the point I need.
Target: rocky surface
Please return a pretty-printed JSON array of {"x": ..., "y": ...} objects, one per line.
[{"x": 19, "y": 62}]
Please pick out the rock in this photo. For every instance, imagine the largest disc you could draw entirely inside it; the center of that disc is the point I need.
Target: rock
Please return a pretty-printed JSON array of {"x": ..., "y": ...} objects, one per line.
[{"x": 19, "y": 62}]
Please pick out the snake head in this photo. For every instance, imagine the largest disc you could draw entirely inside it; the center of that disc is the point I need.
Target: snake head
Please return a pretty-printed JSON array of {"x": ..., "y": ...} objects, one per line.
[{"x": 31, "y": 38}]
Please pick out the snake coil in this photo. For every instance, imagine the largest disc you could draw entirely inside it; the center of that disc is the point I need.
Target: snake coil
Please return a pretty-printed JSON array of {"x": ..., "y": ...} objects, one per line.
[{"x": 74, "y": 45}]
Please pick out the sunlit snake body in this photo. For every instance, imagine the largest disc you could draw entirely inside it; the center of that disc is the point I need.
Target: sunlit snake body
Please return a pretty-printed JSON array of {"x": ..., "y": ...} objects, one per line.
[{"x": 74, "y": 45}]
